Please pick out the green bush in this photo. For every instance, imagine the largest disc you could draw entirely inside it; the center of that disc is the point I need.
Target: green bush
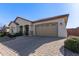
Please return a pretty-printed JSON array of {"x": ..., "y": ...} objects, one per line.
[
  {"x": 72, "y": 44},
  {"x": 2, "y": 34}
]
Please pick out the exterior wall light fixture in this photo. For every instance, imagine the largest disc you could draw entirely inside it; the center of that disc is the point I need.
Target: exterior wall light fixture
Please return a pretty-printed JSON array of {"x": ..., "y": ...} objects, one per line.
[{"x": 61, "y": 23}]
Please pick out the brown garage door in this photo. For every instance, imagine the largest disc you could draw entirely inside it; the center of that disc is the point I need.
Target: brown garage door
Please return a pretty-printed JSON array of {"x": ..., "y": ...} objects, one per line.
[{"x": 49, "y": 29}]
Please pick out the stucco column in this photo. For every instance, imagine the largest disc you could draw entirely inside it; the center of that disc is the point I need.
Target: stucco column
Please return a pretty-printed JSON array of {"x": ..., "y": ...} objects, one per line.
[
  {"x": 62, "y": 28},
  {"x": 33, "y": 30},
  {"x": 30, "y": 30},
  {"x": 23, "y": 30},
  {"x": 18, "y": 28}
]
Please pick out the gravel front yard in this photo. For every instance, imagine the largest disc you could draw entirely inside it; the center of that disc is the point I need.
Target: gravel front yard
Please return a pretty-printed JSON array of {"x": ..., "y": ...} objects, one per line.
[{"x": 35, "y": 46}]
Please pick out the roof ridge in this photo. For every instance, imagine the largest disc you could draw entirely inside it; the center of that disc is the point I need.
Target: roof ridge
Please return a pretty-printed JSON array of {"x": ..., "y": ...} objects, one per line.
[{"x": 22, "y": 19}]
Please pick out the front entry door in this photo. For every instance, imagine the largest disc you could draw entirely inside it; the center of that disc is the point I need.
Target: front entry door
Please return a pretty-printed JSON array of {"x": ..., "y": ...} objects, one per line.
[
  {"x": 21, "y": 29},
  {"x": 26, "y": 29}
]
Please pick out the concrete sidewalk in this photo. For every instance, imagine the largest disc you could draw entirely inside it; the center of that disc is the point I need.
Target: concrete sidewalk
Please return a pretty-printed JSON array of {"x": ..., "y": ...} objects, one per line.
[{"x": 5, "y": 51}]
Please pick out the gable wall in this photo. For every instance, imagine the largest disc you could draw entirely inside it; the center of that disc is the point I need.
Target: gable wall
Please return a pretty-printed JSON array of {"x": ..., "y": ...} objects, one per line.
[
  {"x": 22, "y": 22},
  {"x": 12, "y": 27}
]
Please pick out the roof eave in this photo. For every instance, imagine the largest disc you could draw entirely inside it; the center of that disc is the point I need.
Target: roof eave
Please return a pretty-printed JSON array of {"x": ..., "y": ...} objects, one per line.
[{"x": 50, "y": 18}]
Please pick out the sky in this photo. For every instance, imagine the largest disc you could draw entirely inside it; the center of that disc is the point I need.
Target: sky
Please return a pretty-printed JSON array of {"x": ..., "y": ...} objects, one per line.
[{"x": 35, "y": 11}]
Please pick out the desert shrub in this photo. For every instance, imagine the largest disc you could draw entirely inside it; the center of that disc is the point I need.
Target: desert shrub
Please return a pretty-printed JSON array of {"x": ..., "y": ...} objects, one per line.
[
  {"x": 9, "y": 35},
  {"x": 14, "y": 35},
  {"x": 17, "y": 34},
  {"x": 72, "y": 44}
]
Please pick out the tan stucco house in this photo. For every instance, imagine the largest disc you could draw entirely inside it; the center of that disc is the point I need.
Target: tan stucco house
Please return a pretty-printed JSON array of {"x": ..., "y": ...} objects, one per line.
[{"x": 52, "y": 26}]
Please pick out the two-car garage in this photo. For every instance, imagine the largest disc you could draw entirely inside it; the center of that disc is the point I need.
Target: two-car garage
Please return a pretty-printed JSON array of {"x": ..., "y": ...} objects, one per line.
[{"x": 47, "y": 29}]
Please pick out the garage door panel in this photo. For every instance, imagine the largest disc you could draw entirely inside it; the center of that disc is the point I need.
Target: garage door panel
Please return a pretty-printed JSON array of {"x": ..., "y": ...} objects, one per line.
[{"x": 50, "y": 29}]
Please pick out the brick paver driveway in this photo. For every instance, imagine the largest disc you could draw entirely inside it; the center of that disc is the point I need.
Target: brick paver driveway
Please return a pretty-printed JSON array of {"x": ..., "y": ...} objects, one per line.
[{"x": 36, "y": 46}]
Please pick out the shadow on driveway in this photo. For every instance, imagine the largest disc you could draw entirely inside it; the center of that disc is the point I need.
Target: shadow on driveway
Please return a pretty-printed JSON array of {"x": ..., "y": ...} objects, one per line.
[
  {"x": 27, "y": 45},
  {"x": 67, "y": 52}
]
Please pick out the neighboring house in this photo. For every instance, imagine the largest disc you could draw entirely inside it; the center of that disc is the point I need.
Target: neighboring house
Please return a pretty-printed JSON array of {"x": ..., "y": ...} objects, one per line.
[
  {"x": 7, "y": 29},
  {"x": 52, "y": 26},
  {"x": 73, "y": 31}
]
